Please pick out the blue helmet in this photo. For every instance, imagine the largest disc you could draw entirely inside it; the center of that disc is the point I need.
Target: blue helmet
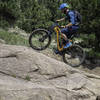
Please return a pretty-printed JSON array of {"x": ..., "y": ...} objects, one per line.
[{"x": 63, "y": 5}]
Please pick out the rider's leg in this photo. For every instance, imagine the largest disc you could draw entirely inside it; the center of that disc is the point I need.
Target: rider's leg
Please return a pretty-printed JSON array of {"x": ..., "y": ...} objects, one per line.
[
  {"x": 65, "y": 33},
  {"x": 64, "y": 36},
  {"x": 69, "y": 33}
]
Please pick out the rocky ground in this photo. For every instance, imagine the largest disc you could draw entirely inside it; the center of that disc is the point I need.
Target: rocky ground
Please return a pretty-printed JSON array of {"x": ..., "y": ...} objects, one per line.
[
  {"x": 26, "y": 74},
  {"x": 92, "y": 67},
  {"x": 29, "y": 75}
]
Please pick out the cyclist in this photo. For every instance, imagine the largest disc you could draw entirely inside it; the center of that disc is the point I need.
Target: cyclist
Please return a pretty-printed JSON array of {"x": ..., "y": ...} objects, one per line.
[{"x": 71, "y": 27}]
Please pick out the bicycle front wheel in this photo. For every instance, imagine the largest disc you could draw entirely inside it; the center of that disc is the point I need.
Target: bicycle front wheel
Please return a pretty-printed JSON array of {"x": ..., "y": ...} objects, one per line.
[
  {"x": 40, "y": 39},
  {"x": 74, "y": 55}
]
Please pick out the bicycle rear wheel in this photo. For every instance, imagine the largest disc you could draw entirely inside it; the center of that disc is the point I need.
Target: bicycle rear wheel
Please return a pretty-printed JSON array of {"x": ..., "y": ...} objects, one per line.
[
  {"x": 74, "y": 55},
  {"x": 39, "y": 39}
]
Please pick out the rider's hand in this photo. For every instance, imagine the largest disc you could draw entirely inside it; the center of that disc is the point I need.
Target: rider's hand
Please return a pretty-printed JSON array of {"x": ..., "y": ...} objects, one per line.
[
  {"x": 57, "y": 20},
  {"x": 63, "y": 27}
]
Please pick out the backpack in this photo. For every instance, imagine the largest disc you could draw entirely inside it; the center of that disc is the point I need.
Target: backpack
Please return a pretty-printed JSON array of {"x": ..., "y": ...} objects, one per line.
[{"x": 78, "y": 16}]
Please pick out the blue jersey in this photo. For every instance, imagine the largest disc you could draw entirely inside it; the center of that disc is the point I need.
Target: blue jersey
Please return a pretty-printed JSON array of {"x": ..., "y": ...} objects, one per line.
[
  {"x": 72, "y": 29},
  {"x": 71, "y": 17}
]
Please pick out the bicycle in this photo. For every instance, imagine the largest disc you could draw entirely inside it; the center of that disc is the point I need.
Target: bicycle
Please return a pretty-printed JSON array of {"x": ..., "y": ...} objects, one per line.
[{"x": 40, "y": 39}]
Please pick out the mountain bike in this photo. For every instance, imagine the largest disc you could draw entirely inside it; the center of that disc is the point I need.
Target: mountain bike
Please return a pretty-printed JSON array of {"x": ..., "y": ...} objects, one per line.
[{"x": 40, "y": 39}]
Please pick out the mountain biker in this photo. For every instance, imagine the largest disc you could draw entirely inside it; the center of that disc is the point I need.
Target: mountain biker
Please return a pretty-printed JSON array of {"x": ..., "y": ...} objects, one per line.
[{"x": 71, "y": 27}]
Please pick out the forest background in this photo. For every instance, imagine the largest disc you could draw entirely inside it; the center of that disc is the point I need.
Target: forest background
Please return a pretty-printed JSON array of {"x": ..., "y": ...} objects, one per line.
[{"x": 31, "y": 14}]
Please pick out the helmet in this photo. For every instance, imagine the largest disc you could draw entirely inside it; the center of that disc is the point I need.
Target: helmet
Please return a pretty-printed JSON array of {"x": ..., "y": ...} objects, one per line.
[{"x": 63, "y": 5}]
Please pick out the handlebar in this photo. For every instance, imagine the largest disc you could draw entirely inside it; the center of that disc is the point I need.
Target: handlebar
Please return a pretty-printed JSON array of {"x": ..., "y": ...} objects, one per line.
[{"x": 54, "y": 25}]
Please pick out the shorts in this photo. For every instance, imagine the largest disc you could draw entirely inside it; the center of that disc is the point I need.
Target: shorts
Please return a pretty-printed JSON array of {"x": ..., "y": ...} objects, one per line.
[{"x": 69, "y": 31}]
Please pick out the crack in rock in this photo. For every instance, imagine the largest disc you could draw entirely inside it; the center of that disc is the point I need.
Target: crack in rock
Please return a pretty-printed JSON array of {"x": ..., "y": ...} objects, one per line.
[
  {"x": 56, "y": 76},
  {"x": 10, "y": 56},
  {"x": 35, "y": 70}
]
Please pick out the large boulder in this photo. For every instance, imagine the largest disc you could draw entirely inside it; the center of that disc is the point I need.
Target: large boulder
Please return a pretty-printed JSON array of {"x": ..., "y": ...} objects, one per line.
[{"x": 49, "y": 79}]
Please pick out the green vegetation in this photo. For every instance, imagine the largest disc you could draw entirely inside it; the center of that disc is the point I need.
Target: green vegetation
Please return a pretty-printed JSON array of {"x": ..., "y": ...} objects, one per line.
[
  {"x": 14, "y": 75},
  {"x": 27, "y": 78},
  {"x": 13, "y": 39},
  {"x": 31, "y": 14}
]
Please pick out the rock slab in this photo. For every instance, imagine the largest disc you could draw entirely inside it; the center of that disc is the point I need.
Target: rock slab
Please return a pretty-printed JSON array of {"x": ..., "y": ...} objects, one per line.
[{"x": 49, "y": 79}]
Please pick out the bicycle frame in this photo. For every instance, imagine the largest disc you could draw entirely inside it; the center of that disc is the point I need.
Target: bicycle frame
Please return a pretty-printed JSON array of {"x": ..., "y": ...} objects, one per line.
[{"x": 57, "y": 30}]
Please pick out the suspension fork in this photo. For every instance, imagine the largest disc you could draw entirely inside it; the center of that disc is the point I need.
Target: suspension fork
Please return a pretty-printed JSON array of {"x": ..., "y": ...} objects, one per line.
[{"x": 57, "y": 30}]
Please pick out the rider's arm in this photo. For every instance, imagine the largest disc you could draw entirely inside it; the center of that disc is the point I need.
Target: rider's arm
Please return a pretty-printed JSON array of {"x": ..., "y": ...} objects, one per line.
[
  {"x": 68, "y": 25},
  {"x": 61, "y": 19}
]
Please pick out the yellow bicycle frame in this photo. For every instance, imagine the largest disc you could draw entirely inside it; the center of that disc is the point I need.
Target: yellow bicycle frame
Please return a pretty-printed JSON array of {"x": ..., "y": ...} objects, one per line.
[{"x": 57, "y": 30}]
